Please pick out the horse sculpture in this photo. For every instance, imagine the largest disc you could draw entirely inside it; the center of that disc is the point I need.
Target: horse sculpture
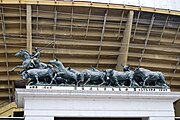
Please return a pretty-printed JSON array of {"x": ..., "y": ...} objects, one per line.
[
  {"x": 56, "y": 73},
  {"x": 72, "y": 77},
  {"x": 148, "y": 76},
  {"x": 27, "y": 64}
]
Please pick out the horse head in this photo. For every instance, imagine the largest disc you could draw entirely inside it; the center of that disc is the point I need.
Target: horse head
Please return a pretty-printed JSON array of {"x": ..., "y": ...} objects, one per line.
[
  {"x": 109, "y": 72},
  {"x": 126, "y": 68},
  {"x": 22, "y": 52},
  {"x": 19, "y": 53},
  {"x": 24, "y": 75}
]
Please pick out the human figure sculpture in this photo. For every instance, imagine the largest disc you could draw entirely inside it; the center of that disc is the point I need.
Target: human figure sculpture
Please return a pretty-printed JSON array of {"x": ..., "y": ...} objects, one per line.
[
  {"x": 35, "y": 59},
  {"x": 57, "y": 74}
]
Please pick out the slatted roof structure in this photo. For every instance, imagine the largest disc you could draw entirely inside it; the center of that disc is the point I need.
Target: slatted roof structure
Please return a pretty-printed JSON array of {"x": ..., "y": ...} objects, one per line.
[{"x": 84, "y": 34}]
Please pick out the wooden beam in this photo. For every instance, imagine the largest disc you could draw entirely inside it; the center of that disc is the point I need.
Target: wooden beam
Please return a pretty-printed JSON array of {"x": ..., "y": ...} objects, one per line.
[
  {"x": 123, "y": 51},
  {"x": 147, "y": 38},
  {"x": 29, "y": 28}
]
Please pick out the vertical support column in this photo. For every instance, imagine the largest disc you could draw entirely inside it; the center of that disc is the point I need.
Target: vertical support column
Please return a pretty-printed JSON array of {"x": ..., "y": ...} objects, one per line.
[
  {"x": 123, "y": 51},
  {"x": 29, "y": 28}
]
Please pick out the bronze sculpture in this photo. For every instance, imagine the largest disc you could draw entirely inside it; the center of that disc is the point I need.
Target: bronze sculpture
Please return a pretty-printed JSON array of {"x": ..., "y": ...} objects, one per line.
[{"x": 55, "y": 73}]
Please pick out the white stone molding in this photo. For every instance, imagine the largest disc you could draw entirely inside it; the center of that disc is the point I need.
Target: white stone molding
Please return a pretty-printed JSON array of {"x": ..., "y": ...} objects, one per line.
[{"x": 51, "y": 103}]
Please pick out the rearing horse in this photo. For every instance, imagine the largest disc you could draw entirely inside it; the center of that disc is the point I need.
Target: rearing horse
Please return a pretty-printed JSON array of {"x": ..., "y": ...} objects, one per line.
[{"x": 26, "y": 60}]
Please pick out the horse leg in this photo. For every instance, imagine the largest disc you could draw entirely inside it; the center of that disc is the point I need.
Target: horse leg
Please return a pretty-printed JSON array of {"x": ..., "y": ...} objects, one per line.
[
  {"x": 117, "y": 83},
  {"x": 144, "y": 83},
  {"x": 19, "y": 66},
  {"x": 102, "y": 78},
  {"x": 82, "y": 78},
  {"x": 36, "y": 77},
  {"x": 131, "y": 82},
  {"x": 53, "y": 79},
  {"x": 89, "y": 79}
]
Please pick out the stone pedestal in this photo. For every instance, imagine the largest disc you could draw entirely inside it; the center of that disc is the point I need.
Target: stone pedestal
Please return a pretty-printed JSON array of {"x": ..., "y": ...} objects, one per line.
[{"x": 49, "y": 103}]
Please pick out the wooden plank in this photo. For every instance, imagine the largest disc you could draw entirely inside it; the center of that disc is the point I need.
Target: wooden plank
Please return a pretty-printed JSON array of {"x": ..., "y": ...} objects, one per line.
[
  {"x": 123, "y": 51},
  {"x": 29, "y": 28},
  {"x": 153, "y": 65},
  {"x": 158, "y": 48},
  {"x": 154, "y": 56}
]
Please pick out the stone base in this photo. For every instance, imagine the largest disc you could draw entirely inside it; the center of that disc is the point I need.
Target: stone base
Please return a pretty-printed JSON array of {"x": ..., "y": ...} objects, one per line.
[
  {"x": 50, "y": 103},
  {"x": 147, "y": 89}
]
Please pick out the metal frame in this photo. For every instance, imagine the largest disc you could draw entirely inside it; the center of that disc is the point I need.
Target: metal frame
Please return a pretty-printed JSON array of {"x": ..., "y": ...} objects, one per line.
[{"x": 6, "y": 54}]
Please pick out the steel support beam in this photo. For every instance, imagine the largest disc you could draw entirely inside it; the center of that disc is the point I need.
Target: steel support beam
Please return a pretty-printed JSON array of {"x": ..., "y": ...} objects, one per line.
[
  {"x": 123, "y": 51},
  {"x": 20, "y": 20},
  {"x": 72, "y": 15},
  {"x": 102, "y": 37},
  {"x": 164, "y": 27},
  {"x": 175, "y": 38},
  {"x": 147, "y": 38},
  {"x": 37, "y": 20},
  {"x": 29, "y": 28},
  {"x": 120, "y": 24},
  {"x": 54, "y": 30},
  {"x": 135, "y": 29},
  {"x": 174, "y": 72},
  {"x": 89, "y": 16}
]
